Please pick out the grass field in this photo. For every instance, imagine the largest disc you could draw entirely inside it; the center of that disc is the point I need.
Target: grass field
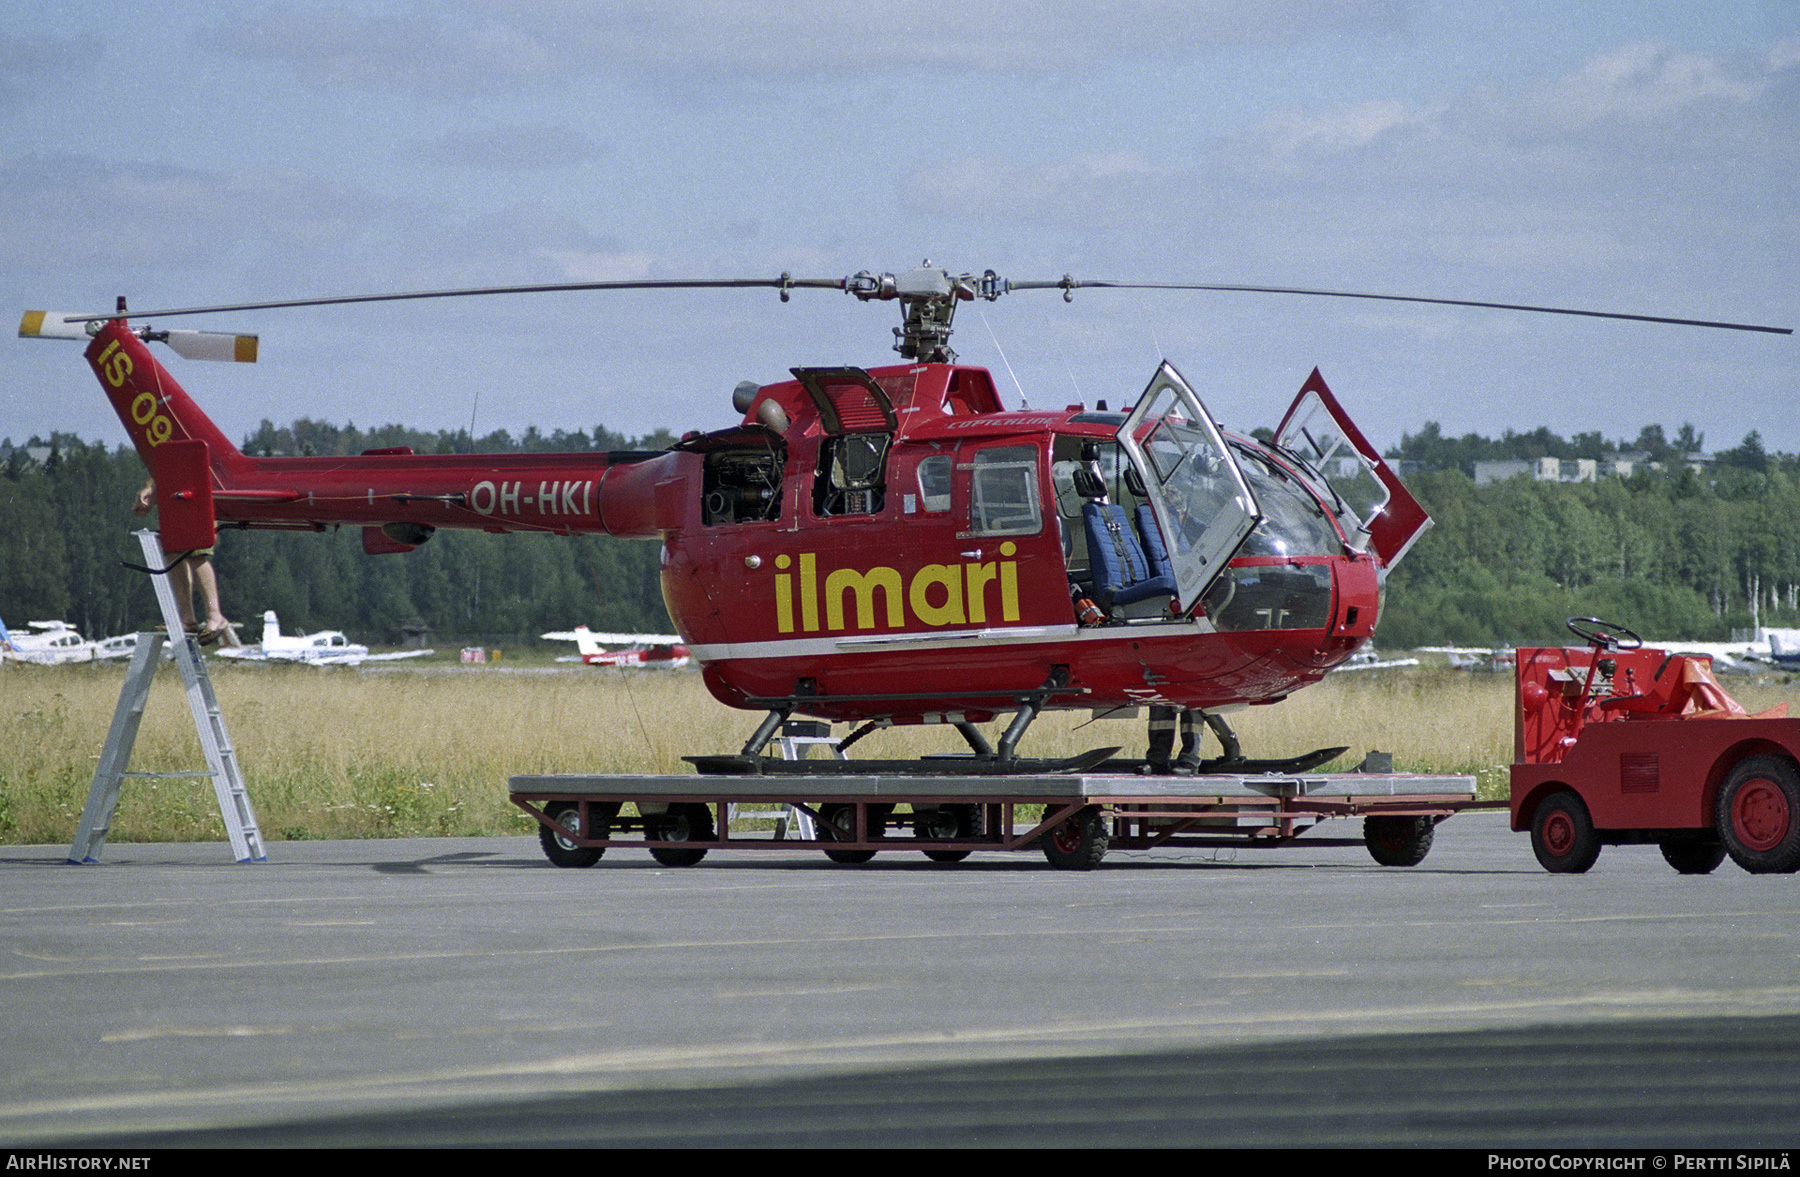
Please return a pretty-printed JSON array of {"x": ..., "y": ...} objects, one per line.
[{"x": 410, "y": 751}]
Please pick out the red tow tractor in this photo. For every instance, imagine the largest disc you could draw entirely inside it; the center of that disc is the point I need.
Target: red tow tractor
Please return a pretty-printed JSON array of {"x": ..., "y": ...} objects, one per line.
[{"x": 1616, "y": 743}]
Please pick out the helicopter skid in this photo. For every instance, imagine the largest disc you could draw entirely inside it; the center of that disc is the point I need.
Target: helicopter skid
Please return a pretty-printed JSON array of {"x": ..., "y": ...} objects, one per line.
[
  {"x": 1238, "y": 767},
  {"x": 935, "y": 766}
]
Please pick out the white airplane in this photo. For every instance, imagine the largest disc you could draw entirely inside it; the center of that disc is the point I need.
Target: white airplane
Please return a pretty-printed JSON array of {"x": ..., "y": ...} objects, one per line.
[
  {"x": 1472, "y": 657},
  {"x": 1367, "y": 659},
  {"x": 50, "y": 643},
  {"x": 663, "y": 651},
  {"x": 328, "y": 647},
  {"x": 1727, "y": 657}
]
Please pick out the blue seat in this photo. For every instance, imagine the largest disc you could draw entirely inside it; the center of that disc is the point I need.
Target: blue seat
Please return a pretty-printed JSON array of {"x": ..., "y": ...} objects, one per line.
[{"x": 1123, "y": 574}]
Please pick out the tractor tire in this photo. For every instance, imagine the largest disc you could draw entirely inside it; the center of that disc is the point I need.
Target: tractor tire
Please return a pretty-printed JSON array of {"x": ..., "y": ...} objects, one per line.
[
  {"x": 1562, "y": 835},
  {"x": 1693, "y": 855},
  {"x": 1758, "y": 814}
]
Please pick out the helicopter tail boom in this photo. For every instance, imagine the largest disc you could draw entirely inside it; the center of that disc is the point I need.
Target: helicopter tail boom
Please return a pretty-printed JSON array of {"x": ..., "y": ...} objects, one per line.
[{"x": 399, "y": 498}]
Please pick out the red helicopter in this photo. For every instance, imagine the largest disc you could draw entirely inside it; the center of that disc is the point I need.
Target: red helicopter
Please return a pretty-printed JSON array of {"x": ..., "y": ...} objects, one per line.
[{"x": 888, "y": 545}]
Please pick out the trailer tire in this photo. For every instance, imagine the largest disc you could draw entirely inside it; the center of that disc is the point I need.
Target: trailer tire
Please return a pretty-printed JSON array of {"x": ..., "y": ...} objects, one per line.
[
  {"x": 1758, "y": 815},
  {"x": 1562, "y": 835},
  {"x": 1398, "y": 841},
  {"x": 688, "y": 821},
  {"x": 1693, "y": 855},
  {"x": 560, "y": 850},
  {"x": 1078, "y": 843},
  {"x": 832, "y": 815},
  {"x": 964, "y": 822}
]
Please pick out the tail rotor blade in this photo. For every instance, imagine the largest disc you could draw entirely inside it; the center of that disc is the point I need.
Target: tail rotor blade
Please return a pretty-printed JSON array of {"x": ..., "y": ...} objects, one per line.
[
  {"x": 52, "y": 325},
  {"x": 212, "y": 345}
]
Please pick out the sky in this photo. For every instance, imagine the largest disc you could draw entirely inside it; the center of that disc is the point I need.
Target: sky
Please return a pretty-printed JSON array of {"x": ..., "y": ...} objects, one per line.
[{"x": 1641, "y": 157}]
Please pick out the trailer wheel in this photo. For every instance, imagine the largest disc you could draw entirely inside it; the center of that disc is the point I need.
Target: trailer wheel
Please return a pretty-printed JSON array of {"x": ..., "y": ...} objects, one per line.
[
  {"x": 689, "y": 821},
  {"x": 558, "y": 848},
  {"x": 1562, "y": 835},
  {"x": 1398, "y": 841},
  {"x": 1757, "y": 811},
  {"x": 1693, "y": 855},
  {"x": 836, "y": 816},
  {"x": 1079, "y": 843},
  {"x": 946, "y": 822}
]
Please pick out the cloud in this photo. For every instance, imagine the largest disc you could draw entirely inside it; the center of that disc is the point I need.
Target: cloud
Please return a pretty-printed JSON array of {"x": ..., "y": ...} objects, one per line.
[
  {"x": 1112, "y": 185},
  {"x": 23, "y": 57},
  {"x": 465, "y": 48},
  {"x": 411, "y": 51},
  {"x": 1290, "y": 134},
  {"x": 1643, "y": 82},
  {"x": 513, "y": 148},
  {"x": 860, "y": 38}
]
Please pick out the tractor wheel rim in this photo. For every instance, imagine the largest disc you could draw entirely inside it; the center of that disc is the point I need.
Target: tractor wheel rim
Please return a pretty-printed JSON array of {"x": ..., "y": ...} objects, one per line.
[
  {"x": 1559, "y": 833},
  {"x": 1759, "y": 815}
]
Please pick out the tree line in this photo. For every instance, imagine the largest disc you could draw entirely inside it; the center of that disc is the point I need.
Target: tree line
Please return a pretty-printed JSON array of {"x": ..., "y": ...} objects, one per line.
[
  {"x": 1683, "y": 550},
  {"x": 1687, "y": 548},
  {"x": 66, "y": 524}
]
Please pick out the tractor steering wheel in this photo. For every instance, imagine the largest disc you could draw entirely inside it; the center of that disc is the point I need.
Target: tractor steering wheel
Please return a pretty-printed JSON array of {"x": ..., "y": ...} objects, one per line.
[{"x": 1604, "y": 635}]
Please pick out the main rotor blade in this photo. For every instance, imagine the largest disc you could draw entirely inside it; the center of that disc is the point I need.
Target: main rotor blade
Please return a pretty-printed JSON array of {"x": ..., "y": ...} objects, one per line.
[
  {"x": 783, "y": 283},
  {"x": 1070, "y": 284}
]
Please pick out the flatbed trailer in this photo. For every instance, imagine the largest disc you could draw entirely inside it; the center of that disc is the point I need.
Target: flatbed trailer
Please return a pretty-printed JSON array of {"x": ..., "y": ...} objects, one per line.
[{"x": 851, "y": 818}]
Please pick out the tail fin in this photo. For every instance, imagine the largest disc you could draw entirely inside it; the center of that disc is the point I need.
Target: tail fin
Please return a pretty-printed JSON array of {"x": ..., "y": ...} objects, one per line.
[
  {"x": 271, "y": 627},
  {"x": 153, "y": 407},
  {"x": 585, "y": 641}
]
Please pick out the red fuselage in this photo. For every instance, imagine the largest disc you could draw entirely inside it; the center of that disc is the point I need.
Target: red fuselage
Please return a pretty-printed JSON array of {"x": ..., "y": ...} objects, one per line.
[{"x": 891, "y": 542}]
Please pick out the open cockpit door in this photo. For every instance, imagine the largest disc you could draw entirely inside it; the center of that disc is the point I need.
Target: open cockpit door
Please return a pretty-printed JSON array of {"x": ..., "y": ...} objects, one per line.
[
  {"x": 1193, "y": 485},
  {"x": 1377, "y": 513}
]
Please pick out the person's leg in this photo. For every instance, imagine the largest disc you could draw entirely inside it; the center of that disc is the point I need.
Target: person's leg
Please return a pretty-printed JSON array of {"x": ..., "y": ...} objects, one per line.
[
  {"x": 181, "y": 579},
  {"x": 208, "y": 582}
]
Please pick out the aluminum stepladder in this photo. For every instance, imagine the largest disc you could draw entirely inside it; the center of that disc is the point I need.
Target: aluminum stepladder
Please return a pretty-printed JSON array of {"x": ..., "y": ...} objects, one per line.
[
  {"x": 209, "y": 722},
  {"x": 796, "y": 739}
]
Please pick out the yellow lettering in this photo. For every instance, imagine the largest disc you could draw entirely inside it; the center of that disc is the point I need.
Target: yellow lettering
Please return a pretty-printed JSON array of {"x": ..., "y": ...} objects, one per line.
[
  {"x": 117, "y": 369},
  {"x": 980, "y": 576},
  {"x": 919, "y": 593},
  {"x": 1009, "y": 584},
  {"x": 809, "y": 593},
  {"x": 159, "y": 429},
  {"x": 863, "y": 584},
  {"x": 784, "y": 597}
]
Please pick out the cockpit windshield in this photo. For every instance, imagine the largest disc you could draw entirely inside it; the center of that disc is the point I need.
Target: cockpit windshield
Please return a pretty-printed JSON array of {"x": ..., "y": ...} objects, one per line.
[{"x": 1294, "y": 524}]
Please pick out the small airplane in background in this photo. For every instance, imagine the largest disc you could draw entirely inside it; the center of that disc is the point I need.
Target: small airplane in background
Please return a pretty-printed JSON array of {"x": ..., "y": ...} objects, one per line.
[
  {"x": 328, "y": 647},
  {"x": 1367, "y": 659},
  {"x": 1727, "y": 657},
  {"x": 1472, "y": 657},
  {"x": 659, "y": 651},
  {"x": 50, "y": 643}
]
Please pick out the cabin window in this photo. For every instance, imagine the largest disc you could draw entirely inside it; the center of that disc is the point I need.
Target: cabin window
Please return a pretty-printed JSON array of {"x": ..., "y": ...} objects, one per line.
[
  {"x": 1003, "y": 496},
  {"x": 934, "y": 482}
]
